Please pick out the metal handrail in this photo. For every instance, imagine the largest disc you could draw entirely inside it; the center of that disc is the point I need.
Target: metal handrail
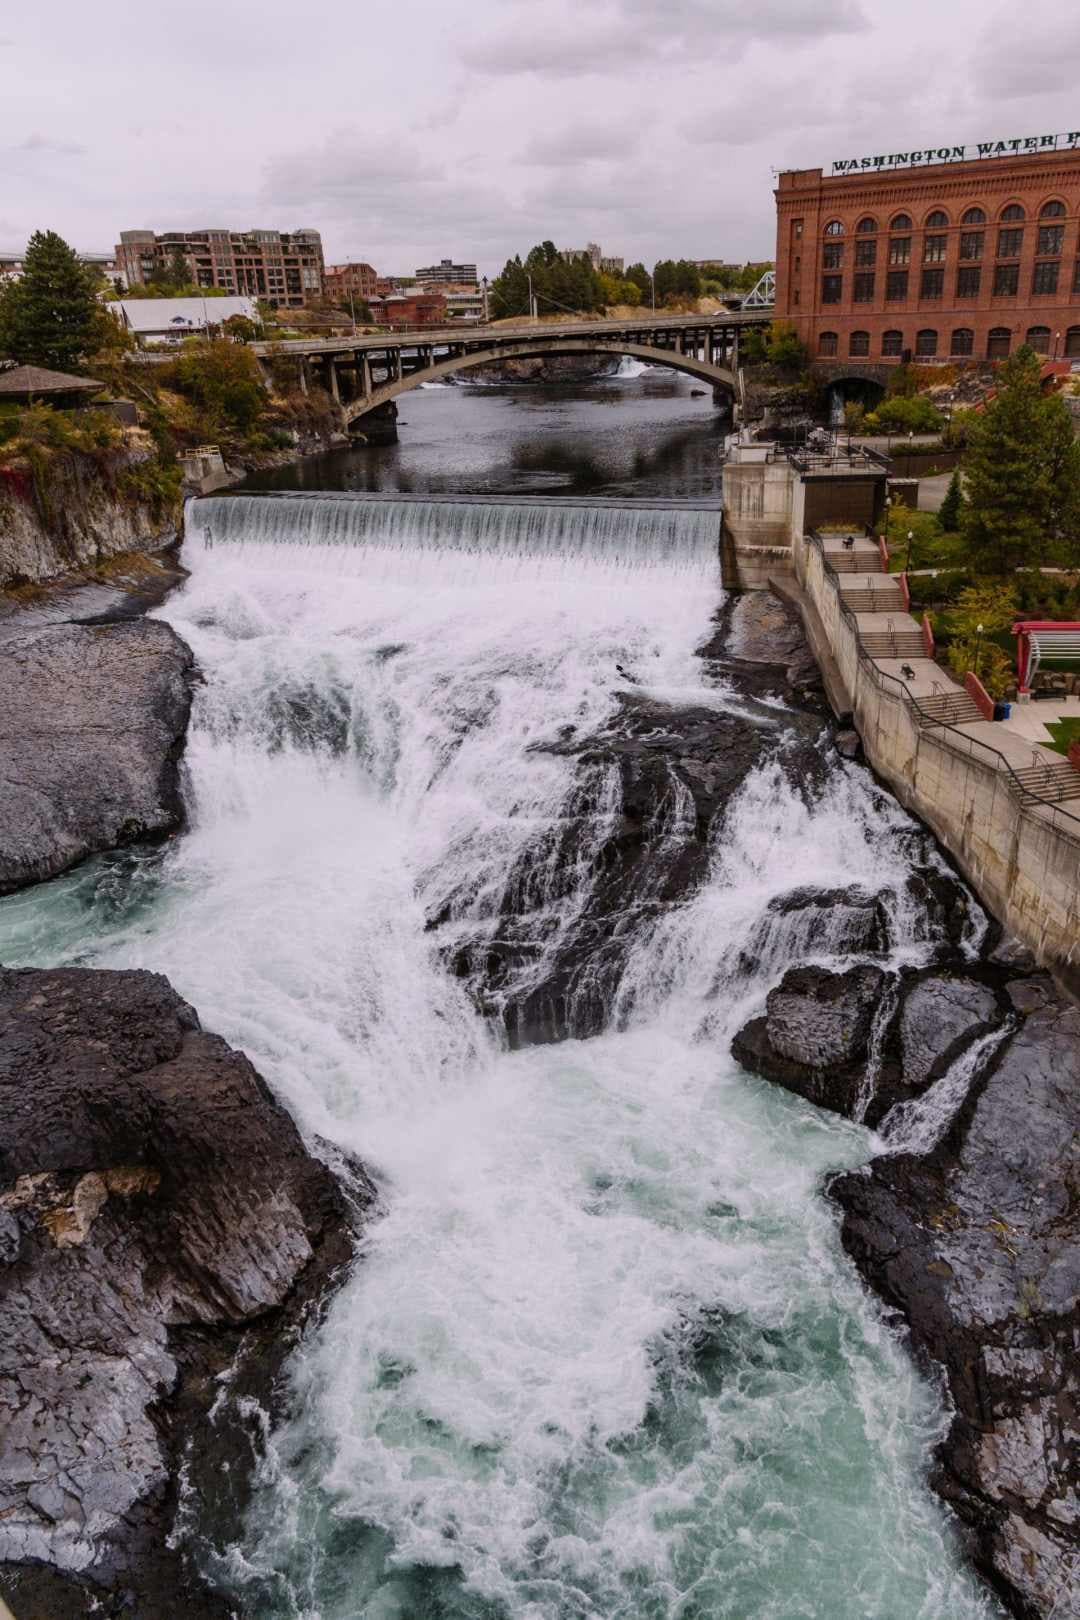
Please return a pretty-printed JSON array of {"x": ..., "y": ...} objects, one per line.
[{"x": 959, "y": 742}]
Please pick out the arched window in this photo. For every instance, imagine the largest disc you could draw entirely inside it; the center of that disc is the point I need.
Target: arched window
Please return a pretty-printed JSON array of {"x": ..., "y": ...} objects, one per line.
[
  {"x": 892, "y": 342},
  {"x": 827, "y": 343},
  {"x": 859, "y": 344},
  {"x": 974, "y": 216},
  {"x": 937, "y": 220},
  {"x": 1014, "y": 211},
  {"x": 865, "y": 226},
  {"x": 1052, "y": 210},
  {"x": 1038, "y": 338},
  {"x": 997, "y": 343},
  {"x": 926, "y": 341},
  {"x": 900, "y": 222},
  {"x": 835, "y": 227},
  {"x": 963, "y": 341},
  {"x": 1072, "y": 342}
]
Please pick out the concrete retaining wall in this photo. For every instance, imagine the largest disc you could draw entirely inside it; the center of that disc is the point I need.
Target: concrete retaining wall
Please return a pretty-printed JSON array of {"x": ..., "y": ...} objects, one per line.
[{"x": 1023, "y": 859}]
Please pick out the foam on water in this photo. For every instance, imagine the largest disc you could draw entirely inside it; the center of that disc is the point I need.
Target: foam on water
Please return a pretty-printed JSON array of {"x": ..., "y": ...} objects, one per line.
[{"x": 602, "y": 1356}]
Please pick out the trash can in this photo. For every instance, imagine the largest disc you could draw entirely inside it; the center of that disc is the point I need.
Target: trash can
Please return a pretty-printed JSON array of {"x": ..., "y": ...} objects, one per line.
[{"x": 1002, "y": 711}]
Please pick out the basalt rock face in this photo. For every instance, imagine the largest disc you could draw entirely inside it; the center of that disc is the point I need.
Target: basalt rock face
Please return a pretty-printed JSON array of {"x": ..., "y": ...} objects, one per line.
[
  {"x": 978, "y": 1244},
  {"x": 976, "y": 1241},
  {"x": 161, "y": 1224},
  {"x": 91, "y": 730}
]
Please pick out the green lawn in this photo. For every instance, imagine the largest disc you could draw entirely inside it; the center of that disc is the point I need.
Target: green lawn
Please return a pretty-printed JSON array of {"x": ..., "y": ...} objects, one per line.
[{"x": 1062, "y": 733}]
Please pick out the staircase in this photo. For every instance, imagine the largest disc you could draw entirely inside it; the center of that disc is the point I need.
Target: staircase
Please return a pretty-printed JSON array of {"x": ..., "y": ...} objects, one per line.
[
  {"x": 855, "y": 562},
  {"x": 947, "y": 709},
  {"x": 893, "y": 643},
  {"x": 1050, "y": 781},
  {"x": 869, "y": 599}
]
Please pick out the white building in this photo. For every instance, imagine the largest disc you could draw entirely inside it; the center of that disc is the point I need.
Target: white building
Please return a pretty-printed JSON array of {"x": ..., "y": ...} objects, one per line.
[{"x": 169, "y": 320}]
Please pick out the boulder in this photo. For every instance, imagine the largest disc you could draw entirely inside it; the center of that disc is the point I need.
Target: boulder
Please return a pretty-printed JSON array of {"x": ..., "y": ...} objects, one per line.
[
  {"x": 161, "y": 1223},
  {"x": 91, "y": 731},
  {"x": 978, "y": 1244},
  {"x": 942, "y": 1014},
  {"x": 815, "y": 1034}
]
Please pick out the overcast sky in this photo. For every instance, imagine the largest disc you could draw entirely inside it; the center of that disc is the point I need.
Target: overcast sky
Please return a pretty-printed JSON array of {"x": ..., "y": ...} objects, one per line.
[{"x": 416, "y": 129}]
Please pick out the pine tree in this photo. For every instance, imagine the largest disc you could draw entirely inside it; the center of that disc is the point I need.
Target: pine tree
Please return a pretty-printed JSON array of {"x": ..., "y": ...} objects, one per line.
[
  {"x": 1011, "y": 511},
  {"x": 50, "y": 316},
  {"x": 952, "y": 505}
]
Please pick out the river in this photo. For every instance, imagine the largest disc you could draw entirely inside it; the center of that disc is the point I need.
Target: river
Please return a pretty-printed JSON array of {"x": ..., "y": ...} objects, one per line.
[{"x": 603, "y": 1357}]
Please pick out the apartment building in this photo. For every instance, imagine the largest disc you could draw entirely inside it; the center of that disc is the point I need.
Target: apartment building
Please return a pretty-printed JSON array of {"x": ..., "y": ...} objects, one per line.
[{"x": 285, "y": 268}]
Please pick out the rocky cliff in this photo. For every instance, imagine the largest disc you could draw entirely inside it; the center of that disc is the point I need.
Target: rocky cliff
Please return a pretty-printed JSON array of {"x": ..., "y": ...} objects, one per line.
[
  {"x": 71, "y": 511},
  {"x": 161, "y": 1225}
]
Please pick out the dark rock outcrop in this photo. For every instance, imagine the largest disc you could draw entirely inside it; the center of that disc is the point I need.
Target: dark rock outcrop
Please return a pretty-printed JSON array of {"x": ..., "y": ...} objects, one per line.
[
  {"x": 91, "y": 731},
  {"x": 978, "y": 1244},
  {"x": 815, "y": 1034},
  {"x": 160, "y": 1224}
]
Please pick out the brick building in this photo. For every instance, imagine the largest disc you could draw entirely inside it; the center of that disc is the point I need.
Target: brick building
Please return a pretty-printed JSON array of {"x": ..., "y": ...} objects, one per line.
[
  {"x": 402, "y": 310},
  {"x": 283, "y": 267},
  {"x": 952, "y": 260},
  {"x": 358, "y": 281}
]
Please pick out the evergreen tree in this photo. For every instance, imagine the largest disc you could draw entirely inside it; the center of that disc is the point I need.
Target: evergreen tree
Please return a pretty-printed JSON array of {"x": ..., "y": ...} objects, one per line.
[
  {"x": 50, "y": 316},
  {"x": 951, "y": 506},
  {"x": 642, "y": 280},
  {"x": 1021, "y": 469}
]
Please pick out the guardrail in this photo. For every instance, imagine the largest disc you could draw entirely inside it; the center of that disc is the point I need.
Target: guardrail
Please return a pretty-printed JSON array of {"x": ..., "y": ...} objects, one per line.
[
  {"x": 951, "y": 737},
  {"x": 978, "y": 694}
]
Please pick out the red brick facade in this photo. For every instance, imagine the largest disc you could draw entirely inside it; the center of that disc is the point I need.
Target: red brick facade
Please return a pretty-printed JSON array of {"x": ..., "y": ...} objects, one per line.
[{"x": 958, "y": 261}]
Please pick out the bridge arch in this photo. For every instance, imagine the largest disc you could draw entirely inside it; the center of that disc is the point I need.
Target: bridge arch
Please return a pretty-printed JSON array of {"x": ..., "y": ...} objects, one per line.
[{"x": 540, "y": 348}]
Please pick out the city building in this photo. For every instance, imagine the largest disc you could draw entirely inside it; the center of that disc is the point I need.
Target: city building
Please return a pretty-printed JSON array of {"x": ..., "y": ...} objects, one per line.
[
  {"x": 11, "y": 263},
  {"x": 407, "y": 309},
  {"x": 357, "y": 281},
  {"x": 283, "y": 267},
  {"x": 447, "y": 273},
  {"x": 153, "y": 321},
  {"x": 610, "y": 265},
  {"x": 956, "y": 253}
]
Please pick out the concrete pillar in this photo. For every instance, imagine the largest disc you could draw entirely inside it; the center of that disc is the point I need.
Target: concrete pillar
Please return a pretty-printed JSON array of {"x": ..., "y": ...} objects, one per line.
[
  {"x": 364, "y": 373},
  {"x": 303, "y": 374},
  {"x": 332, "y": 379}
]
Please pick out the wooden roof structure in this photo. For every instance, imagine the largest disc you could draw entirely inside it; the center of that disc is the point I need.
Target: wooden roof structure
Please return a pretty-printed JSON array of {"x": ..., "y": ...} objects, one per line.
[{"x": 36, "y": 380}]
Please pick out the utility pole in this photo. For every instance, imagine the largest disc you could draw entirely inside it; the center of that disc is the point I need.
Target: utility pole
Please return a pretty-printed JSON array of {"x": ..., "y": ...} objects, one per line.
[
  {"x": 532, "y": 300},
  {"x": 352, "y": 310}
]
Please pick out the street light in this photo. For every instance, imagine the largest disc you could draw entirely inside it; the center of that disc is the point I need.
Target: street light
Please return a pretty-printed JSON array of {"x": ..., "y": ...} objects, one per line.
[
  {"x": 978, "y": 647},
  {"x": 907, "y": 563}
]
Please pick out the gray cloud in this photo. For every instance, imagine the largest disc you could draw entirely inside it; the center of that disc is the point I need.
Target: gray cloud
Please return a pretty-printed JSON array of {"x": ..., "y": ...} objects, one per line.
[
  {"x": 1035, "y": 59},
  {"x": 46, "y": 143},
  {"x": 568, "y": 144}
]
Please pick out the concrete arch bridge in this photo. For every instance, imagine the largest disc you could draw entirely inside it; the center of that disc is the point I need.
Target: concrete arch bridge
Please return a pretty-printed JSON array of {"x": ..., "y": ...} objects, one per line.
[{"x": 367, "y": 373}]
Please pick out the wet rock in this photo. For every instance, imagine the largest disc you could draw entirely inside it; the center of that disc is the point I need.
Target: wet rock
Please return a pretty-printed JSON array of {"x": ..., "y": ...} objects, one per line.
[
  {"x": 160, "y": 1223},
  {"x": 848, "y": 744},
  {"x": 817, "y": 922},
  {"x": 979, "y": 1245},
  {"x": 91, "y": 730},
  {"x": 945, "y": 904},
  {"x": 942, "y": 1014},
  {"x": 814, "y": 1036}
]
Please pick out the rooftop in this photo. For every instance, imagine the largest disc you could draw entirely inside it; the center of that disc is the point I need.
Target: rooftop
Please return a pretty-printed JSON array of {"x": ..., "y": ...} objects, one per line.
[{"x": 36, "y": 380}]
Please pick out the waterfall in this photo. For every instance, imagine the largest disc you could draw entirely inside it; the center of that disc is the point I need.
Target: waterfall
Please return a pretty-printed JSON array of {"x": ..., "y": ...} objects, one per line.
[{"x": 602, "y": 1357}]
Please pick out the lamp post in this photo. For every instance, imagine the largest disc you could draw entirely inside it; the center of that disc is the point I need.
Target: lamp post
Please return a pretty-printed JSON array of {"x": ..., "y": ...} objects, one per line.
[
  {"x": 485, "y": 285},
  {"x": 907, "y": 560},
  {"x": 978, "y": 647}
]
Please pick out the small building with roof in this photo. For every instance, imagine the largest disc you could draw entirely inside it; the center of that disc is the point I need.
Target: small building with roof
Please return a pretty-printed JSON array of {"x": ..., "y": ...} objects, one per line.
[
  {"x": 169, "y": 320},
  {"x": 34, "y": 385}
]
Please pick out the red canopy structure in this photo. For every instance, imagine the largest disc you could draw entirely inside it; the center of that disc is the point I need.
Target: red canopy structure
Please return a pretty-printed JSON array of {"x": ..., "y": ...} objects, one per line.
[{"x": 1043, "y": 641}]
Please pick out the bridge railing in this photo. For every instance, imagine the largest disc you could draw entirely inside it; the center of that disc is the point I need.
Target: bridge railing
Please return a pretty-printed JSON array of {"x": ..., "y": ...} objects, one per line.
[{"x": 949, "y": 735}]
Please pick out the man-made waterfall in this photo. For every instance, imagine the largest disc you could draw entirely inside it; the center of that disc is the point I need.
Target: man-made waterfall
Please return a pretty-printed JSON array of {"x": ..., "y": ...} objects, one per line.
[{"x": 602, "y": 1356}]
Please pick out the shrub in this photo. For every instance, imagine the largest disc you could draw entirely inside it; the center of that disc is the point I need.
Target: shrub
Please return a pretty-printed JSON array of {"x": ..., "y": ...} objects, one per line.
[{"x": 908, "y": 414}]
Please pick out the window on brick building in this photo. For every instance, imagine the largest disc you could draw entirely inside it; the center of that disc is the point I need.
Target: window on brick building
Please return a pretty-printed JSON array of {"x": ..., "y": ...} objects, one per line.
[
  {"x": 967, "y": 281},
  {"x": 859, "y": 345},
  {"x": 932, "y": 284},
  {"x": 866, "y": 226},
  {"x": 1076, "y": 277},
  {"x": 1009, "y": 244},
  {"x": 1014, "y": 211},
  {"x": 974, "y": 216},
  {"x": 865, "y": 252},
  {"x": 1050, "y": 239},
  {"x": 827, "y": 343},
  {"x": 1038, "y": 338},
  {"x": 1052, "y": 210},
  {"x": 795, "y": 296},
  {"x": 863, "y": 290},
  {"x": 832, "y": 288},
  {"x": 934, "y": 249},
  {"x": 926, "y": 341},
  {"x": 832, "y": 255},
  {"x": 900, "y": 222},
  {"x": 1006, "y": 280},
  {"x": 896, "y": 286},
  {"x": 963, "y": 341},
  {"x": 892, "y": 342},
  {"x": 997, "y": 343},
  {"x": 900, "y": 250},
  {"x": 1072, "y": 342},
  {"x": 1044, "y": 278},
  {"x": 937, "y": 220},
  {"x": 971, "y": 244},
  {"x": 835, "y": 227}
]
